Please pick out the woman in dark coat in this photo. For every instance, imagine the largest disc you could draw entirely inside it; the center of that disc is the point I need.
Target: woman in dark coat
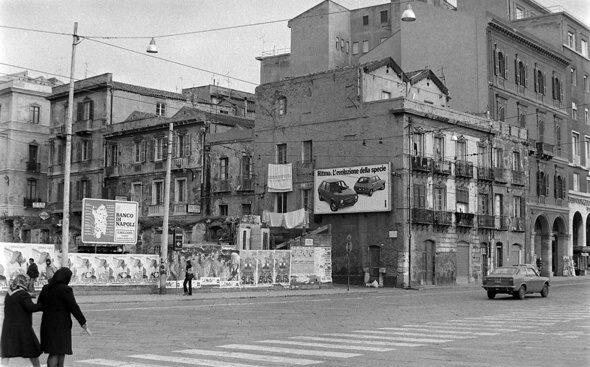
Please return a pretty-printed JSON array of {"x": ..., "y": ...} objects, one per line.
[
  {"x": 18, "y": 337},
  {"x": 58, "y": 302}
]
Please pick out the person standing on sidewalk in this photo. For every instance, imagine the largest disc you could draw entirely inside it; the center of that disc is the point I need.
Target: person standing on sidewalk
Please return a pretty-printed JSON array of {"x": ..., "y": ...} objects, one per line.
[
  {"x": 18, "y": 338},
  {"x": 33, "y": 273},
  {"x": 188, "y": 279},
  {"x": 50, "y": 269},
  {"x": 58, "y": 303}
]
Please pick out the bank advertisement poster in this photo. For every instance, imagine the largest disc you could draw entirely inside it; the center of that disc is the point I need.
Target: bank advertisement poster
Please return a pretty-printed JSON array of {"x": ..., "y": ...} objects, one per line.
[
  {"x": 352, "y": 189},
  {"x": 109, "y": 221}
]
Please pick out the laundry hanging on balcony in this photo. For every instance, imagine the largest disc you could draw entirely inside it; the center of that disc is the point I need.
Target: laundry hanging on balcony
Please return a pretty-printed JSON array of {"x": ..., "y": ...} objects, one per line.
[
  {"x": 295, "y": 219},
  {"x": 280, "y": 177}
]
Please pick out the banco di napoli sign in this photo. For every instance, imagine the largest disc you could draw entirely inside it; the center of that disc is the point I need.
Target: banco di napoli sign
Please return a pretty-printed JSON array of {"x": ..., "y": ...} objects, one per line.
[{"x": 109, "y": 221}]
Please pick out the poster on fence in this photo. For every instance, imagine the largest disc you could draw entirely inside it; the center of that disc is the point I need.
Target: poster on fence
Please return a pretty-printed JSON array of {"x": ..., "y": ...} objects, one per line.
[
  {"x": 323, "y": 264},
  {"x": 264, "y": 268},
  {"x": 213, "y": 265},
  {"x": 14, "y": 259}
]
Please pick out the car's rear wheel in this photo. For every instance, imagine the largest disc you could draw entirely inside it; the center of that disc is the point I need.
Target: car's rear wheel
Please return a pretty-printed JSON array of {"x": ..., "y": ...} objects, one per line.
[
  {"x": 545, "y": 290},
  {"x": 520, "y": 293},
  {"x": 491, "y": 294},
  {"x": 371, "y": 192},
  {"x": 333, "y": 206}
]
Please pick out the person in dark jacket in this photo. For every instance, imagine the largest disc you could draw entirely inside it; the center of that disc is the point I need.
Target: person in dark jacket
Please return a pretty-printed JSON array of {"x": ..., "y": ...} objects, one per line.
[
  {"x": 18, "y": 337},
  {"x": 33, "y": 273},
  {"x": 188, "y": 279},
  {"x": 58, "y": 303}
]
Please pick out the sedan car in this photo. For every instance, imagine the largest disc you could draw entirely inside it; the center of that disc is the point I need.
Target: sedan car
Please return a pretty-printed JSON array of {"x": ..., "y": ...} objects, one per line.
[
  {"x": 337, "y": 194},
  {"x": 517, "y": 280},
  {"x": 369, "y": 184}
]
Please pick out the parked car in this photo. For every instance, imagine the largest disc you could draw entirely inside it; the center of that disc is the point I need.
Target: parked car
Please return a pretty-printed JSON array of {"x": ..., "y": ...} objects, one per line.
[
  {"x": 517, "y": 280},
  {"x": 337, "y": 194},
  {"x": 369, "y": 184}
]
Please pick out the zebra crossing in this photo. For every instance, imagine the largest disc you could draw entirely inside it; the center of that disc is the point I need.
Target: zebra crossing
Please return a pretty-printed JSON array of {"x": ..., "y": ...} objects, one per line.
[{"x": 308, "y": 350}]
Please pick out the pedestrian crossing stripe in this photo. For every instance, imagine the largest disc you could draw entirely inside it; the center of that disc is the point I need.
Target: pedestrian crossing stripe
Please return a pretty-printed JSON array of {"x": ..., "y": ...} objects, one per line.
[
  {"x": 370, "y": 342},
  {"x": 462, "y": 327},
  {"x": 192, "y": 361},
  {"x": 327, "y": 345},
  {"x": 251, "y": 357},
  {"x": 315, "y": 353},
  {"x": 111, "y": 363},
  {"x": 401, "y": 338},
  {"x": 408, "y": 333},
  {"x": 431, "y": 330}
]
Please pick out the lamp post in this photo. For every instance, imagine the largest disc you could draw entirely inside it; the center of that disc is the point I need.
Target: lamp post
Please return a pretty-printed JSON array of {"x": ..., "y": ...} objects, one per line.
[{"x": 164, "y": 239}]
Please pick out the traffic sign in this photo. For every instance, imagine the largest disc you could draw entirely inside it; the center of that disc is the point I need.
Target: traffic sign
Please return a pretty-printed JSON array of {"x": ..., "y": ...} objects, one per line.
[{"x": 348, "y": 246}]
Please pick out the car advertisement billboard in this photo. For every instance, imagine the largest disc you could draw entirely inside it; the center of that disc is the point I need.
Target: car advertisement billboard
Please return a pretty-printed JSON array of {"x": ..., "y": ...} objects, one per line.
[
  {"x": 109, "y": 221},
  {"x": 352, "y": 189}
]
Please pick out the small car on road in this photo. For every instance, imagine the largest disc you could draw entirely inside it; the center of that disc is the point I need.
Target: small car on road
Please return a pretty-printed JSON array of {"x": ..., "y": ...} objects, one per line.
[
  {"x": 517, "y": 280},
  {"x": 337, "y": 194},
  {"x": 369, "y": 184}
]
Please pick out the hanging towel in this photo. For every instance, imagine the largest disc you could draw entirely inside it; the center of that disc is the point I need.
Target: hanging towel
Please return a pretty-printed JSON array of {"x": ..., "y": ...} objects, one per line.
[
  {"x": 280, "y": 177},
  {"x": 297, "y": 219},
  {"x": 273, "y": 219}
]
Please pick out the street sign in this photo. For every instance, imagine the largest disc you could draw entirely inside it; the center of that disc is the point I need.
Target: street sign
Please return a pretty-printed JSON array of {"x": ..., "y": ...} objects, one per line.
[
  {"x": 44, "y": 215},
  {"x": 348, "y": 247},
  {"x": 109, "y": 221}
]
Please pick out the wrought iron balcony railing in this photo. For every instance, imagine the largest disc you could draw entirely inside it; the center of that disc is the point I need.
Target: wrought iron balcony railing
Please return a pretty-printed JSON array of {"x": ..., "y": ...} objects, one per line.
[
  {"x": 486, "y": 221},
  {"x": 441, "y": 167},
  {"x": 518, "y": 178},
  {"x": 463, "y": 169},
  {"x": 443, "y": 218},
  {"x": 422, "y": 164},
  {"x": 421, "y": 216},
  {"x": 464, "y": 219},
  {"x": 485, "y": 173}
]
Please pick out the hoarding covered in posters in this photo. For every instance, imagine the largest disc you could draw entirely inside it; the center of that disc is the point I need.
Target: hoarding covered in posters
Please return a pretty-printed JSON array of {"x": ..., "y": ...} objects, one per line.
[
  {"x": 352, "y": 189},
  {"x": 109, "y": 221},
  {"x": 213, "y": 265},
  {"x": 14, "y": 259},
  {"x": 264, "y": 268}
]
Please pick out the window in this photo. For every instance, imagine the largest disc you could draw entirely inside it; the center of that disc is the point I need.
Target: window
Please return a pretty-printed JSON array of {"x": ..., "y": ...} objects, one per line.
[
  {"x": 282, "y": 106},
  {"x": 33, "y": 153},
  {"x": 573, "y": 76},
  {"x": 32, "y": 189},
  {"x": 584, "y": 48},
  {"x": 385, "y": 94},
  {"x": 461, "y": 151},
  {"x": 34, "y": 112},
  {"x": 499, "y": 255},
  {"x": 520, "y": 72},
  {"x": 557, "y": 90},
  {"x": 500, "y": 109},
  {"x": 60, "y": 191},
  {"x": 223, "y": 168},
  {"x": 557, "y": 130},
  {"x": 337, "y": 43},
  {"x": 246, "y": 209},
  {"x": 559, "y": 186},
  {"x": 84, "y": 150},
  {"x": 281, "y": 202},
  {"x": 157, "y": 192},
  {"x": 439, "y": 148},
  {"x": 161, "y": 109},
  {"x": 365, "y": 46},
  {"x": 576, "y": 183},
  {"x": 112, "y": 157},
  {"x": 159, "y": 145},
  {"x": 306, "y": 202},
  {"x": 498, "y": 204},
  {"x": 539, "y": 81},
  {"x": 576, "y": 145},
  {"x": 483, "y": 204},
  {"x": 483, "y": 156},
  {"x": 522, "y": 112},
  {"x": 83, "y": 189},
  {"x": 60, "y": 153},
  {"x": 139, "y": 151},
  {"x": 181, "y": 145},
  {"x": 517, "y": 206},
  {"x": 384, "y": 17},
  {"x": 223, "y": 210},
  {"x": 307, "y": 151},
  {"x": 574, "y": 111},
  {"x": 136, "y": 192},
  {"x": 246, "y": 167},
  {"x": 519, "y": 12},
  {"x": 281, "y": 153},
  {"x": 418, "y": 144},
  {"x": 541, "y": 183},
  {"x": 85, "y": 110},
  {"x": 586, "y": 117},
  {"x": 180, "y": 190},
  {"x": 462, "y": 200},
  {"x": 355, "y": 48},
  {"x": 541, "y": 125},
  {"x": 365, "y": 20},
  {"x": 440, "y": 196},
  {"x": 419, "y": 196},
  {"x": 498, "y": 157},
  {"x": 571, "y": 40},
  {"x": 587, "y": 151},
  {"x": 586, "y": 85},
  {"x": 501, "y": 64},
  {"x": 516, "y": 161},
  {"x": 342, "y": 44}
]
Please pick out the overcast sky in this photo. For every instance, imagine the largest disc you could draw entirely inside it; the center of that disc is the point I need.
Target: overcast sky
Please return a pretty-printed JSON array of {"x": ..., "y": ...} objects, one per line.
[{"x": 205, "y": 57}]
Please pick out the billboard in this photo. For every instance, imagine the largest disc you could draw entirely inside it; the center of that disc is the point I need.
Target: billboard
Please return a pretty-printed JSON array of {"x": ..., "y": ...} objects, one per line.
[
  {"x": 352, "y": 189},
  {"x": 109, "y": 221}
]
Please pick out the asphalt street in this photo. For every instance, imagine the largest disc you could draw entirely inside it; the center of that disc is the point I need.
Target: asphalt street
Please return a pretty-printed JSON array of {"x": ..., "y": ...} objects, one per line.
[{"x": 450, "y": 326}]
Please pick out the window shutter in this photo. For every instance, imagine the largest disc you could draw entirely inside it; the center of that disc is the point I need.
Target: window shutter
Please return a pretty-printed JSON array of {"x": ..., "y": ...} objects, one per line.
[
  {"x": 506, "y": 66},
  {"x": 496, "y": 62},
  {"x": 165, "y": 149},
  {"x": 80, "y": 111},
  {"x": 188, "y": 145},
  {"x": 89, "y": 150},
  {"x": 563, "y": 188},
  {"x": 555, "y": 187},
  {"x": 561, "y": 90},
  {"x": 91, "y": 113},
  {"x": 150, "y": 149},
  {"x": 526, "y": 76},
  {"x": 88, "y": 193},
  {"x": 142, "y": 152},
  {"x": 78, "y": 151},
  {"x": 516, "y": 71},
  {"x": 553, "y": 86},
  {"x": 175, "y": 143},
  {"x": 535, "y": 78},
  {"x": 544, "y": 84}
]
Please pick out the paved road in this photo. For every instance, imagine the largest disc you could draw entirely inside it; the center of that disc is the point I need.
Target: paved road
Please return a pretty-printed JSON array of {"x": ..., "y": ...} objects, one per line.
[{"x": 365, "y": 327}]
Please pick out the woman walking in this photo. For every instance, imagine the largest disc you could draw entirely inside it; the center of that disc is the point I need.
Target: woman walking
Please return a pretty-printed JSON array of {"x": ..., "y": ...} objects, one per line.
[
  {"x": 58, "y": 302},
  {"x": 18, "y": 337},
  {"x": 188, "y": 279}
]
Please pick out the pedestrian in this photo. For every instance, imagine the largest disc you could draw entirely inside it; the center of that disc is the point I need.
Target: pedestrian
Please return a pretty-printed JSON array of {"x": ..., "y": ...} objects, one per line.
[
  {"x": 18, "y": 337},
  {"x": 33, "y": 273},
  {"x": 58, "y": 303},
  {"x": 49, "y": 269},
  {"x": 188, "y": 279}
]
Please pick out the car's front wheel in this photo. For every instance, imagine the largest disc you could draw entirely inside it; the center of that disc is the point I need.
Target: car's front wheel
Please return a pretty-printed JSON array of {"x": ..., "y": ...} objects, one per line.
[
  {"x": 491, "y": 294},
  {"x": 371, "y": 192},
  {"x": 545, "y": 290},
  {"x": 333, "y": 206},
  {"x": 520, "y": 293}
]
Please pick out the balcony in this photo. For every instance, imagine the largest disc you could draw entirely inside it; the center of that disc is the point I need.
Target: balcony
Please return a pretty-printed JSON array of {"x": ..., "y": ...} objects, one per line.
[
  {"x": 421, "y": 164},
  {"x": 156, "y": 210},
  {"x": 222, "y": 186},
  {"x": 60, "y": 131},
  {"x": 442, "y": 218},
  {"x": 545, "y": 151},
  {"x": 111, "y": 171},
  {"x": 179, "y": 209},
  {"x": 33, "y": 167},
  {"x": 440, "y": 167},
  {"x": 485, "y": 173},
  {"x": 304, "y": 168},
  {"x": 246, "y": 184},
  {"x": 518, "y": 224},
  {"x": 83, "y": 127},
  {"x": 518, "y": 178},
  {"x": 30, "y": 203},
  {"x": 464, "y": 219},
  {"x": 502, "y": 223},
  {"x": 499, "y": 174},
  {"x": 486, "y": 221},
  {"x": 421, "y": 216},
  {"x": 463, "y": 169}
]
